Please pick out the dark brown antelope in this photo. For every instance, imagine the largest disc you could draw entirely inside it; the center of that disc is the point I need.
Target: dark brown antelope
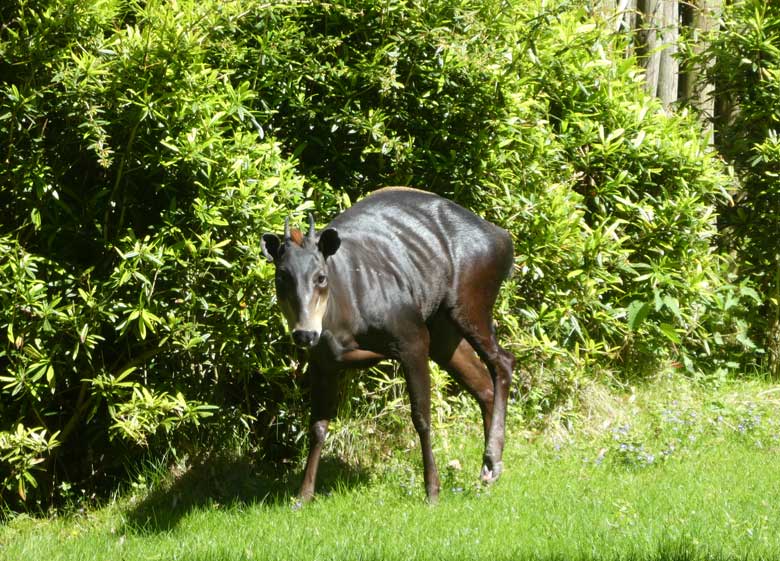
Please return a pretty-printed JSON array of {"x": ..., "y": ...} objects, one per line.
[{"x": 405, "y": 275}]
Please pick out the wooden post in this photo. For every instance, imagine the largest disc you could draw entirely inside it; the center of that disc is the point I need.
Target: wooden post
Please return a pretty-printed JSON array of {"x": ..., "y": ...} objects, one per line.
[
  {"x": 658, "y": 33},
  {"x": 656, "y": 25},
  {"x": 650, "y": 40},
  {"x": 704, "y": 16},
  {"x": 668, "y": 71}
]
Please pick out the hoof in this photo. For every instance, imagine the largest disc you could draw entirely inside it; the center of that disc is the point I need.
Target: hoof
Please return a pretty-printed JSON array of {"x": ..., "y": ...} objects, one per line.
[{"x": 490, "y": 475}]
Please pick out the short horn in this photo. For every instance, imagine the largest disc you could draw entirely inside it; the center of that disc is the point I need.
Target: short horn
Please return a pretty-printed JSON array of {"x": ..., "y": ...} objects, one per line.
[
  {"x": 287, "y": 229},
  {"x": 311, "y": 226}
]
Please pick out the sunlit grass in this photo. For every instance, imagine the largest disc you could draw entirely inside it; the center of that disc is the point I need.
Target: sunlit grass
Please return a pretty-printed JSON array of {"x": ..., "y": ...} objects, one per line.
[{"x": 670, "y": 473}]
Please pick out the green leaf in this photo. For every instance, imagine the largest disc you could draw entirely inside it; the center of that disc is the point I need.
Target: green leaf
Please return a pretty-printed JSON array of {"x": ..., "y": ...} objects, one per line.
[
  {"x": 141, "y": 325},
  {"x": 673, "y": 305},
  {"x": 750, "y": 293},
  {"x": 745, "y": 341},
  {"x": 670, "y": 332},
  {"x": 125, "y": 373},
  {"x": 38, "y": 370},
  {"x": 636, "y": 313}
]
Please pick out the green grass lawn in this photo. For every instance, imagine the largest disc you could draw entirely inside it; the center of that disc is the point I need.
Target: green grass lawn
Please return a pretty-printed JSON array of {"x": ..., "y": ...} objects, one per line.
[{"x": 670, "y": 474}]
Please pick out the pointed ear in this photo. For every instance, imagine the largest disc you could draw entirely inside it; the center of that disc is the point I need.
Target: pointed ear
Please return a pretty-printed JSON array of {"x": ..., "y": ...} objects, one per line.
[
  {"x": 329, "y": 242},
  {"x": 271, "y": 246}
]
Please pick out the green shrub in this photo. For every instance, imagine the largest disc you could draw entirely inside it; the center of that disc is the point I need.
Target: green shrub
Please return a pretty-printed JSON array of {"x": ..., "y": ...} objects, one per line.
[
  {"x": 534, "y": 117},
  {"x": 379, "y": 92},
  {"x": 134, "y": 295},
  {"x": 148, "y": 146},
  {"x": 612, "y": 202},
  {"x": 743, "y": 58}
]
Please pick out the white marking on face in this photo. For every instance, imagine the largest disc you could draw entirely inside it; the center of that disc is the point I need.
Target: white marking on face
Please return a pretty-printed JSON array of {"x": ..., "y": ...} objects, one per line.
[{"x": 312, "y": 317}]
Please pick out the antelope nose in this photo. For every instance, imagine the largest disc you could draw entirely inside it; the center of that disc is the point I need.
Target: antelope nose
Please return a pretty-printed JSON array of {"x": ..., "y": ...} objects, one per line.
[{"x": 305, "y": 338}]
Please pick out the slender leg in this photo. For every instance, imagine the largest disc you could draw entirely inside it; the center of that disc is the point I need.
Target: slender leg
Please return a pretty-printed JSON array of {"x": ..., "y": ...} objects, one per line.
[
  {"x": 414, "y": 359},
  {"x": 489, "y": 386},
  {"x": 324, "y": 403},
  {"x": 501, "y": 363},
  {"x": 477, "y": 326}
]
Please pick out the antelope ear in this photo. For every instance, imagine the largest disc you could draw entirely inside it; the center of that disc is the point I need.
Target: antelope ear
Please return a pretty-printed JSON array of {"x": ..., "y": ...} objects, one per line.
[
  {"x": 329, "y": 242},
  {"x": 271, "y": 246}
]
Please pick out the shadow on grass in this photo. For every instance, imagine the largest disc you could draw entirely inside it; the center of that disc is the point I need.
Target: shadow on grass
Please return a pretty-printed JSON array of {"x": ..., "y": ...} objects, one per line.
[{"x": 232, "y": 482}]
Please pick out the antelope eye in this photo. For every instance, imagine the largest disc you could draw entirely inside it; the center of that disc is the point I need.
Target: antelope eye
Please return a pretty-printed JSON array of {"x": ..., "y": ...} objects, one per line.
[{"x": 321, "y": 280}]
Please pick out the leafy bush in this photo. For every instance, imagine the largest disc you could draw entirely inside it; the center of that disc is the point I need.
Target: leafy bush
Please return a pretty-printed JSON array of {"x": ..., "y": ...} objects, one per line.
[
  {"x": 612, "y": 202},
  {"x": 380, "y": 91},
  {"x": 744, "y": 63},
  {"x": 148, "y": 146},
  {"x": 134, "y": 295}
]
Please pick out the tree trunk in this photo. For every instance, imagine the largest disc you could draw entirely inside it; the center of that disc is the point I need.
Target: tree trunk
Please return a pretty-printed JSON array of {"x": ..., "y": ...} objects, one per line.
[
  {"x": 703, "y": 18},
  {"x": 659, "y": 46},
  {"x": 668, "y": 72},
  {"x": 650, "y": 42}
]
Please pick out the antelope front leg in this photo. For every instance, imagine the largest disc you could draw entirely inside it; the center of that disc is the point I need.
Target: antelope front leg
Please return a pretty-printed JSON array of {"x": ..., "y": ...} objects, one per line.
[
  {"x": 324, "y": 403},
  {"x": 418, "y": 383}
]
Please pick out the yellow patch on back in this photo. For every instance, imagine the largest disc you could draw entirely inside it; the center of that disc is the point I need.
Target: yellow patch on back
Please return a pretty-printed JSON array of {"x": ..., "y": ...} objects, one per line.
[{"x": 400, "y": 188}]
